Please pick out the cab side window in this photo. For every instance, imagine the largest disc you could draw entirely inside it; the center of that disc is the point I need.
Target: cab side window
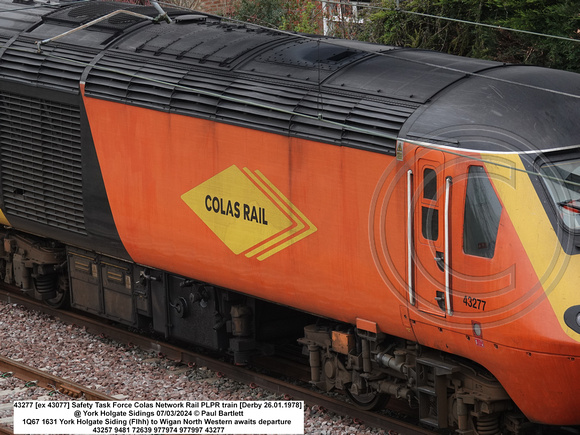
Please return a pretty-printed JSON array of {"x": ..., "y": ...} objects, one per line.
[
  {"x": 429, "y": 212},
  {"x": 482, "y": 215}
]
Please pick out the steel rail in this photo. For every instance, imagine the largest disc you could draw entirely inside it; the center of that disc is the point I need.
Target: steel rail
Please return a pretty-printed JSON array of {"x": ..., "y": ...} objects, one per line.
[
  {"x": 47, "y": 381},
  {"x": 50, "y": 382}
]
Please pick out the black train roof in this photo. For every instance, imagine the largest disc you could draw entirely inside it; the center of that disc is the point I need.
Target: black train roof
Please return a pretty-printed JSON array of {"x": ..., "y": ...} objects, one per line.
[
  {"x": 291, "y": 84},
  {"x": 514, "y": 108}
]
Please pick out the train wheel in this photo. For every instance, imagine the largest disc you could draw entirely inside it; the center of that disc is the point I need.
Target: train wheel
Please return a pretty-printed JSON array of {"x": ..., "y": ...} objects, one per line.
[{"x": 368, "y": 401}]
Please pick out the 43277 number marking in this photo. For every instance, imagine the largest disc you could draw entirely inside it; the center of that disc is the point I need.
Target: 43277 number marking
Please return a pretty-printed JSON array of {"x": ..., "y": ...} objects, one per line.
[{"x": 478, "y": 304}]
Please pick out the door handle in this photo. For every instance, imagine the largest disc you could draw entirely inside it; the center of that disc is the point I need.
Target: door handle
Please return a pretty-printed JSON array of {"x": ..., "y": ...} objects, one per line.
[
  {"x": 440, "y": 298},
  {"x": 440, "y": 260}
]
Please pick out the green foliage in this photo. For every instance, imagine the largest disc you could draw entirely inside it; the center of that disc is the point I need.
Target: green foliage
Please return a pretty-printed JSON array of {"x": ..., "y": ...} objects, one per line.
[
  {"x": 294, "y": 15},
  {"x": 264, "y": 12},
  {"x": 301, "y": 16},
  {"x": 416, "y": 24},
  {"x": 420, "y": 29},
  {"x": 553, "y": 17}
]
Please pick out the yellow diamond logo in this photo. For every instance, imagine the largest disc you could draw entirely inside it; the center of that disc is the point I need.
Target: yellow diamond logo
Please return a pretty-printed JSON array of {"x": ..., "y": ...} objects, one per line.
[{"x": 248, "y": 213}]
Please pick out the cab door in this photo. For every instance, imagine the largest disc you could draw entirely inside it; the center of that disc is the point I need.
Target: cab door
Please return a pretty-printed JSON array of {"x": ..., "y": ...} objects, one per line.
[
  {"x": 455, "y": 263},
  {"x": 431, "y": 196}
]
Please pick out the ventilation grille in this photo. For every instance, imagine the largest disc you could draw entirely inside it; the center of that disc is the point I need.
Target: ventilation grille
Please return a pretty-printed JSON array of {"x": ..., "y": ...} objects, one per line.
[
  {"x": 53, "y": 68},
  {"x": 356, "y": 120},
  {"x": 40, "y": 155}
]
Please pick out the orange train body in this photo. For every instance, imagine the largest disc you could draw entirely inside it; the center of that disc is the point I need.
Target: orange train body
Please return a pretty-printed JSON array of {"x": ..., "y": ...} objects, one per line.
[
  {"x": 416, "y": 216},
  {"x": 352, "y": 267}
]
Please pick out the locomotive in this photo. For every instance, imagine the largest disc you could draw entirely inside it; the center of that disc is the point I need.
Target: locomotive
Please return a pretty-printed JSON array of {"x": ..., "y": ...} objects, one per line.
[{"x": 414, "y": 215}]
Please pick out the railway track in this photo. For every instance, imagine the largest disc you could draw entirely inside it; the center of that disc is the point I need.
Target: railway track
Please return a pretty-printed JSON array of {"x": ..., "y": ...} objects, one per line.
[
  {"x": 17, "y": 379},
  {"x": 187, "y": 357}
]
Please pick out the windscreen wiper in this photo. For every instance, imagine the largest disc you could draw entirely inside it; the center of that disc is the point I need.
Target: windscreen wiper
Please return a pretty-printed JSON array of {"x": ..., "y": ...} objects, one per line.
[{"x": 571, "y": 204}]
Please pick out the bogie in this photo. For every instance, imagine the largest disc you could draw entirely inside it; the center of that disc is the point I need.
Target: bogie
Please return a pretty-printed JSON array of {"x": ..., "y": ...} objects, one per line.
[{"x": 446, "y": 391}]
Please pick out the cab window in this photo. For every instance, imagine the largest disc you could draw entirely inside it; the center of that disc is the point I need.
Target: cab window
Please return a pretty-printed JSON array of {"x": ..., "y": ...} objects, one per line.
[
  {"x": 482, "y": 214},
  {"x": 430, "y": 214}
]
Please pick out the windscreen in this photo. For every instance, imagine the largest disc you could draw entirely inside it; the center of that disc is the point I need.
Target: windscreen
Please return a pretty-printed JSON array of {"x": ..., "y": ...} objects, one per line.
[{"x": 563, "y": 182}]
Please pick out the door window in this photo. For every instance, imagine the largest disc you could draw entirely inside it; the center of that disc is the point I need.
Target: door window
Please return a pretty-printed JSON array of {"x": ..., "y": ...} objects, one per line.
[
  {"x": 430, "y": 214},
  {"x": 430, "y": 223},
  {"x": 430, "y": 184}
]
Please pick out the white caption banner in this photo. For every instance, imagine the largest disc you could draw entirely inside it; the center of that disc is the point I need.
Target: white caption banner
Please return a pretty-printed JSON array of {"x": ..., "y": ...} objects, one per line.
[{"x": 157, "y": 417}]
